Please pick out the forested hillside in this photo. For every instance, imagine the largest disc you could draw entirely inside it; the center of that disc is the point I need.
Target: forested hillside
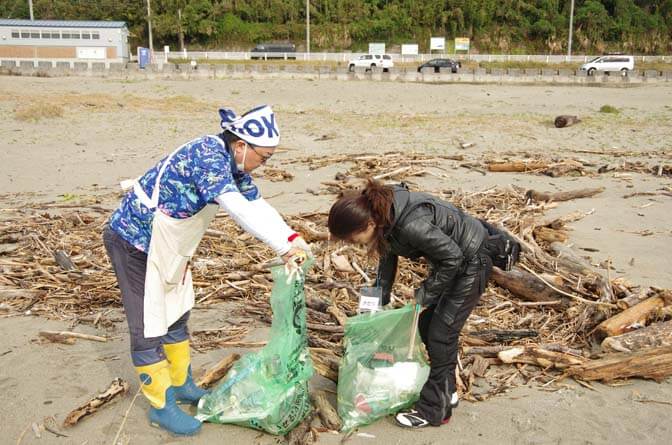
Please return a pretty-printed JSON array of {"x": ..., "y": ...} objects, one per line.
[{"x": 496, "y": 26}]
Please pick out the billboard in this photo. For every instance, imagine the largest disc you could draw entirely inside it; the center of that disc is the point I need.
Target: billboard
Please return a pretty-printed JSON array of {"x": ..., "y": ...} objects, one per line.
[
  {"x": 376, "y": 48},
  {"x": 461, "y": 43},
  {"x": 409, "y": 49},
  {"x": 437, "y": 43}
]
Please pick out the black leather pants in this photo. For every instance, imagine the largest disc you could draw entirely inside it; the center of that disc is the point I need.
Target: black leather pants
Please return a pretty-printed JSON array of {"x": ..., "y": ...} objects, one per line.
[{"x": 440, "y": 327}]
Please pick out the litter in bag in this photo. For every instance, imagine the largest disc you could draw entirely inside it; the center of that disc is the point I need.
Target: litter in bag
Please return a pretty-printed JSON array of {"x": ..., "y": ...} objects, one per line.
[
  {"x": 377, "y": 375},
  {"x": 268, "y": 390}
]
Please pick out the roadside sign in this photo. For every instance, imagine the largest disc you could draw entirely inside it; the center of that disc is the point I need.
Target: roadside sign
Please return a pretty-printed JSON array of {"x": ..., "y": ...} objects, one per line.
[
  {"x": 410, "y": 49},
  {"x": 437, "y": 43},
  {"x": 376, "y": 48},
  {"x": 461, "y": 43}
]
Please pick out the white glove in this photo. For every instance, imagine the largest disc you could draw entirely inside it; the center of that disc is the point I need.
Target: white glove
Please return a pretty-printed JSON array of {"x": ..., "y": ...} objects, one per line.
[{"x": 301, "y": 243}]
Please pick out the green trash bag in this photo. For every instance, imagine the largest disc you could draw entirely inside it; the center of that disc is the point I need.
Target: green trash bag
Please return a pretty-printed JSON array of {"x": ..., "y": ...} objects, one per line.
[
  {"x": 376, "y": 376},
  {"x": 268, "y": 390}
]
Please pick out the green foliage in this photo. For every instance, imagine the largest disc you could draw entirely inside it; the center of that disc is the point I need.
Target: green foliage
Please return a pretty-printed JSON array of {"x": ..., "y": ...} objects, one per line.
[
  {"x": 609, "y": 109},
  {"x": 512, "y": 26}
]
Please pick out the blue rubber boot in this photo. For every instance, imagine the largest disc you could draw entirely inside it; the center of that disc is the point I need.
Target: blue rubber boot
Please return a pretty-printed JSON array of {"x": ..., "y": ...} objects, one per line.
[
  {"x": 165, "y": 413},
  {"x": 186, "y": 391}
]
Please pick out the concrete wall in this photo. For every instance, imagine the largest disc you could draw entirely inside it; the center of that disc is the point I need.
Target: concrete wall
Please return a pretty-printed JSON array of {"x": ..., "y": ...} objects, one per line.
[{"x": 56, "y": 68}]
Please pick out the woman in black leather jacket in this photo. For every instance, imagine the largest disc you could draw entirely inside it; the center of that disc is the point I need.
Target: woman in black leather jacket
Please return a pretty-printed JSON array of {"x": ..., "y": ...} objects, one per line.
[{"x": 393, "y": 222}]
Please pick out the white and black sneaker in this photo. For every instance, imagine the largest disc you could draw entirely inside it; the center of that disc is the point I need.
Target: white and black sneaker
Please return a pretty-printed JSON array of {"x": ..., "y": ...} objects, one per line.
[
  {"x": 411, "y": 419},
  {"x": 454, "y": 400}
]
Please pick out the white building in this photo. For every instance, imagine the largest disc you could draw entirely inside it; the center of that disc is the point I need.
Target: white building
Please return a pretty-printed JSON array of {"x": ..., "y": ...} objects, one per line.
[{"x": 63, "y": 40}]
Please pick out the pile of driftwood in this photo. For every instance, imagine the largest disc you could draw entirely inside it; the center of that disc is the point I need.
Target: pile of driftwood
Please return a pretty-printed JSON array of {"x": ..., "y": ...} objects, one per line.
[{"x": 545, "y": 319}]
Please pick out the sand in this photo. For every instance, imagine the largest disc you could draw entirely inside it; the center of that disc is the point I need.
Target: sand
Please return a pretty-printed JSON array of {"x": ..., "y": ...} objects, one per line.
[{"x": 111, "y": 130}]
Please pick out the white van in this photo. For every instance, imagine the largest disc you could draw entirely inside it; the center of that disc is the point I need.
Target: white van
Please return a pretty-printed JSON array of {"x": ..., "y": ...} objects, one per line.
[
  {"x": 370, "y": 61},
  {"x": 610, "y": 63}
]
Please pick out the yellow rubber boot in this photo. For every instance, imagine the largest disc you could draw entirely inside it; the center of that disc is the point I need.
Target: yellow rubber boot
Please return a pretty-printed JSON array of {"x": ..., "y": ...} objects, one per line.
[
  {"x": 179, "y": 358},
  {"x": 156, "y": 386}
]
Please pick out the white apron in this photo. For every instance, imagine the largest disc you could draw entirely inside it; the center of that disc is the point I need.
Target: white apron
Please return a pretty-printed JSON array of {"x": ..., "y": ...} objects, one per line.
[{"x": 169, "y": 292}]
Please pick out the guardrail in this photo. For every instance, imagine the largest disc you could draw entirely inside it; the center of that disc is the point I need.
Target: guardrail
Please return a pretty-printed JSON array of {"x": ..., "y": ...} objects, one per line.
[
  {"x": 420, "y": 58},
  {"x": 115, "y": 70}
]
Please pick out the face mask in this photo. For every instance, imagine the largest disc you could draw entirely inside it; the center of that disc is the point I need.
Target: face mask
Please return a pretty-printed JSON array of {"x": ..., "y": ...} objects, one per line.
[{"x": 241, "y": 165}]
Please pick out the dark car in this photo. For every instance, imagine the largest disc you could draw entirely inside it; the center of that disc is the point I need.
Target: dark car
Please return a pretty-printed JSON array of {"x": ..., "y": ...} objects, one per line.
[
  {"x": 274, "y": 51},
  {"x": 438, "y": 64}
]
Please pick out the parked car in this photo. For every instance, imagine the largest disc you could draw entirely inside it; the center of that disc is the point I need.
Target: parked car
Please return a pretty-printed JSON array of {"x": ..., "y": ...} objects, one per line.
[
  {"x": 274, "y": 51},
  {"x": 610, "y": 63},
  {"x": 370, "y": 61},
  {"x": 438, "y": 64}
]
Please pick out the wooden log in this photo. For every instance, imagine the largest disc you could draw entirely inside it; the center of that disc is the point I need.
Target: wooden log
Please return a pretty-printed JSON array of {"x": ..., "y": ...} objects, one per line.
[
  {"x": 325, "y": 363},
  {"x": 526, "y": 286},
  {"x": 567, "y": 259},
  {"x": 317, "y": 303},
  {"x": 480, "y": 366},
  {"x": 303, "y": 433},
  {"x": 564, "y": 168},
  {"x": 326, "y": 411},
  {"x": 653, "y": 336},
  {"x": 654, "y": 363},
  {"x": 63, "y": 260},
  {"x": 325, "y": 328},
  {"x": 338, "y": 314},
  {"x": 538, "y": 196},
  {"x": 117, "y": 387},
  {"x": 629, "y": 319},
  {"x": 492, "y": 351},
  {"x": 566, "y": 120},
  {"x": 550, "y": 235},
  {"x": 73, "y": 335},
  {"x": 499, "y": 336},
  {"x": 216, "y": 373},
  {"x": 517, "y": 166},
  {"x": 534, "y": 355}
]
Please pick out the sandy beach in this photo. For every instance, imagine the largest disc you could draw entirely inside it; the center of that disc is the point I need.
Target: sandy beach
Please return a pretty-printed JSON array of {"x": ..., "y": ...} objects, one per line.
[{"x": 71, "y": 139}]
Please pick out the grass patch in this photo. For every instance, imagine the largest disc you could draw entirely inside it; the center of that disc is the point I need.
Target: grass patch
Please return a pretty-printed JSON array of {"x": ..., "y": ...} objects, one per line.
[
  {"x": 35, "y": 113},
  {"x": 609, "y": 109}
]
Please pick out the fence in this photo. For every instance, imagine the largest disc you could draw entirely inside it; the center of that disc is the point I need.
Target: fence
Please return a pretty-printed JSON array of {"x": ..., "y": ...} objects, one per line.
[
  {"x": 399, "y": 58},
  {"x": 51, "y": 68}
]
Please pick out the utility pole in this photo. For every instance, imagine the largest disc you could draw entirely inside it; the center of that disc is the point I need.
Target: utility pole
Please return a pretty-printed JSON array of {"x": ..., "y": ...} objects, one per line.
[
  {"x": 571, "y": 23},
  {"x": 308, "y": 26},
  {"x": 179, "y": 29},
  {"x": 30, "y": 7},
  {"x": 149, "y": 27}
]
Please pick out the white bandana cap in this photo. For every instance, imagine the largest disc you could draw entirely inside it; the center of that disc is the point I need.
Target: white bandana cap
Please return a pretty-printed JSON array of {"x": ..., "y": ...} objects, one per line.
[{"x": 256, "y": 127}]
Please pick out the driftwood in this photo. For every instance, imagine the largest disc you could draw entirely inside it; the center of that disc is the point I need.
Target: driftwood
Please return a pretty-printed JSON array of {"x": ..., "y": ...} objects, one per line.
[
  {"x": 629, "y": 319},
  {"x": 326, "y": 363},
  {"x": 59, "y": 336},
  {"x": 492, "y": 351},
  {"x": 499, "y": 336},
  {"x": 63, "y": 260},
  {"x": 534, "y": 355},
  {"x": 517, "y": 166},
  {"x": 480, "y": 366},
  {"x": 566, "y": 120},
  {"x": 538, "y": 196},
  {"x": 326, "y": 411},
  {"x": 338, "y": 314},
  {"x": 116, "y": 388},
  {"x": 303, "y": 433},
  {"x": 549, "y": 235},
  {"x": 655, "y": 363},
  {"x": 215, "y": 374},
  {"x": 653, "y": 336},
  {"x": 526, "y": 286},
  {"x": 567, "y": 259}
]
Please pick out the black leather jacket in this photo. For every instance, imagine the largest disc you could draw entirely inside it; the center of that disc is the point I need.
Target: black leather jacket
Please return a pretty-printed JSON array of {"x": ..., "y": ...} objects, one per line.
[{"x": 425, "y": 226}]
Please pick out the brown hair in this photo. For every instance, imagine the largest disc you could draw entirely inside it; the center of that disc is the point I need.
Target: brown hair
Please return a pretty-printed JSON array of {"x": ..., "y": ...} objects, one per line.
[{"x": 353, "y": 211}]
